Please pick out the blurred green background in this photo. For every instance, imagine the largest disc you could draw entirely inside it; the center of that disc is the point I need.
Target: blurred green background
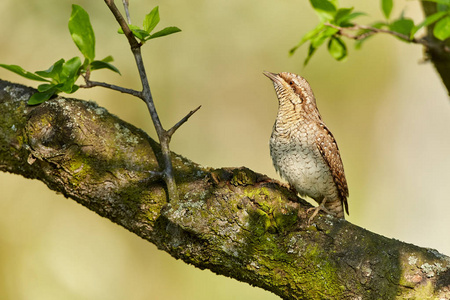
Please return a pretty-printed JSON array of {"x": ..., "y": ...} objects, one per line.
[{"x": 388, "y": 111}]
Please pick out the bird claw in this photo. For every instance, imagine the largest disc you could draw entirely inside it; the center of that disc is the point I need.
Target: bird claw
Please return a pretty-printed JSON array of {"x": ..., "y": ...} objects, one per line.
[{"x": 321, "y": 207}]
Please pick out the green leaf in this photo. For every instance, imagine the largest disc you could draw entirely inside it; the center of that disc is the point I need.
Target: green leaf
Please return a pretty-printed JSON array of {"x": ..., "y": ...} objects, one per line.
[
  {"x": 320, "y": 38},
  {"x": 345, "y": 22},
  {"x": 81, "y": 31},
  {"x": 442, "y": 29},
  {"x": 311, "y": 51},
  {"x": 334, "y": 2},
  {"x": 18, "y": 70},
  {"x": 380, "y": 25},
  {"x": 69, "y": 74},
  {"x": 120, "y": 30},
  {"x": 137, "y": 32},
  {"x": 403, "y": 26},
  {"x": 38, "y": 98},
  {"x": 345, "y": 15},
  {"x": 53, "y": 72},
  {"x": 140, "y": 34},
  {"x": 45, "y": 87},
  {"x": 428, "y": 20},
  {"x": 100, "y": 64},
  {"x": 442, "y": 5},
  {"x": 324, "y": 8},
  {"x": 164, "y": 32},
  {"x": 445, "y": 2},
  {"x": 74, "y": 89},
  {"x": 70, "y": 68},
  {"x": 151, "y": 20},
  {"x": 386, "y": 6},
  {"x": 337, "y": 48},
  {"x": 108, "y": 59},
  {"x": 309, "y": 35},
  {"x": 341, "y": 14},
  {"x": 317, "y": 36},
  {"x": 323, "y": 5},
  {"x": 69, "y": 88}
]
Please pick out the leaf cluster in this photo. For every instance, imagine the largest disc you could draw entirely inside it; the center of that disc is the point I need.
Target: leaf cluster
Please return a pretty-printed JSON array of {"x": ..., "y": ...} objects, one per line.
[
  {"x": 335, "y": 19},
  {"x": 150, "y": 21},
  {"x": 328, "y": 14},
  {"x": 407, "y": 27},
  {"x": 62, "y": 75}
]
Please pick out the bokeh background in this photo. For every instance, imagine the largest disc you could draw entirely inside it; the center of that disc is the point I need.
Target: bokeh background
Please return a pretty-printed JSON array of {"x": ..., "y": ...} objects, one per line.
[{"x": 388, "y": 110}]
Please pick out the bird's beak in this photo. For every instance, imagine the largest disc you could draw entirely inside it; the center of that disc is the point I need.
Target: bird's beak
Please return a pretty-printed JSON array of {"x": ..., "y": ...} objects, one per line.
[{"x": 272, "y": 76}]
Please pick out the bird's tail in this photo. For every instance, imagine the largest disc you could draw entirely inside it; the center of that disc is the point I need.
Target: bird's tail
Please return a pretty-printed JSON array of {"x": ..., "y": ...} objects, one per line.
[{"x": 336, "y": 207}]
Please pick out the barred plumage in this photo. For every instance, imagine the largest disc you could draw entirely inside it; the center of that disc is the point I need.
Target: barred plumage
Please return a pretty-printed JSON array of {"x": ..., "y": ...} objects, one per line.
[{"x": 303, "y": 149}]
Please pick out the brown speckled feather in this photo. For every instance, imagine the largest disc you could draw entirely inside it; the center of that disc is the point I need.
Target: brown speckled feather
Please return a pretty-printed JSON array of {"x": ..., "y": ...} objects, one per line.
[{"x": 330, "y": 152}]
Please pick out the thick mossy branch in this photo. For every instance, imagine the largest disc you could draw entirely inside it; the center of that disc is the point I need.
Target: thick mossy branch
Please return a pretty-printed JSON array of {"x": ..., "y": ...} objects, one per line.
[{"x": 232, "y": 221}]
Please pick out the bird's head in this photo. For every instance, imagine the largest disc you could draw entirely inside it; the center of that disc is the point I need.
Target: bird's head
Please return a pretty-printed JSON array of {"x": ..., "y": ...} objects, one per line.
[{"x": 292, "y": 89}]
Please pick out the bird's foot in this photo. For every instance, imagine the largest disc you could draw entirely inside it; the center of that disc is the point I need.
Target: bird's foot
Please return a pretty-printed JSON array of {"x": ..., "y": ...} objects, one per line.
[{"x": 316, "y": 210}]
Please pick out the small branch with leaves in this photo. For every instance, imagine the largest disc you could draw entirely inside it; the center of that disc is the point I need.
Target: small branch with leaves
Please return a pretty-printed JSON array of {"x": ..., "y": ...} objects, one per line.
[
  {"x": 62, "y": 75},
  {"x": 336, "y": 22},
  {"x": 132, "y": 32},
  {"x": 364, "y": 32}
]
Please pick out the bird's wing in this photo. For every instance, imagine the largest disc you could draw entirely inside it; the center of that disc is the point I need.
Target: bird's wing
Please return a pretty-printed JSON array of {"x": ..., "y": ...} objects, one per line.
[{"x": 329, "y": 150}]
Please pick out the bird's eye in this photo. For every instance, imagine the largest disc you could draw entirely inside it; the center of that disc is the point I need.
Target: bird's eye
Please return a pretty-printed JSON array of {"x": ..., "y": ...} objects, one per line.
[{"x": 291, "y": 82}]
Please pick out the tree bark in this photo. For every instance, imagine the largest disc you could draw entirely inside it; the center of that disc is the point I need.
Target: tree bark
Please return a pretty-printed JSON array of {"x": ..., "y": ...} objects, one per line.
[
  {"x": 438, "y": 55},
  {"x": 233, "y": 221}
]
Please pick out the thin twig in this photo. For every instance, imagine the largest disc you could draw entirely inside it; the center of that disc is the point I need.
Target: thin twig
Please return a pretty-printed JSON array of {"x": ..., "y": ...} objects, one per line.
[
  {"x": 373, "y": 30},
  {"x": 126, "y": 4},
  {"x": 123, "y": 24},
  {"x": 90, "y": 84},
  {"x": 164, "y": 138},
  {"x": 174, "y": 128},
  {"x": 146, "y": 95}
]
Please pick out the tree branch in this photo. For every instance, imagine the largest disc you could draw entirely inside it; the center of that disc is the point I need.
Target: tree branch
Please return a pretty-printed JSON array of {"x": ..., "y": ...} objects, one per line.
[
  {"x": 373, "y": 30},
  {"x": 126, "y": 4},
  {"x": 175, "y": 127},
  {"x": 146, "y": 95},
  {"x": 232, "y": 221},
  {"x": 90, "y": 84},
  {"x": 438, "y": 55},
  {"x": 437, "y": 51},
  {"x": 123, "y": 24},
  {"x": 164, "y": 136}
]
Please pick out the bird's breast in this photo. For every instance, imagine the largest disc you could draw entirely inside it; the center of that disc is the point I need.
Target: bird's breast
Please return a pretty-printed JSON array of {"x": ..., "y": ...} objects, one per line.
[{"x": 296, "y": 157}]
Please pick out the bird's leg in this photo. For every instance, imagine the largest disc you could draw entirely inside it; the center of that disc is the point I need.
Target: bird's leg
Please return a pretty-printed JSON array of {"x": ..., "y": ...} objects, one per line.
[{"x": 321, "y": 207}]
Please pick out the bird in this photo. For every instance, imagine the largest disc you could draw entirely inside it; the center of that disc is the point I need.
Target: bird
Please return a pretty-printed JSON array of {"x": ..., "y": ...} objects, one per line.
[{"x": 303, "y": 149}]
